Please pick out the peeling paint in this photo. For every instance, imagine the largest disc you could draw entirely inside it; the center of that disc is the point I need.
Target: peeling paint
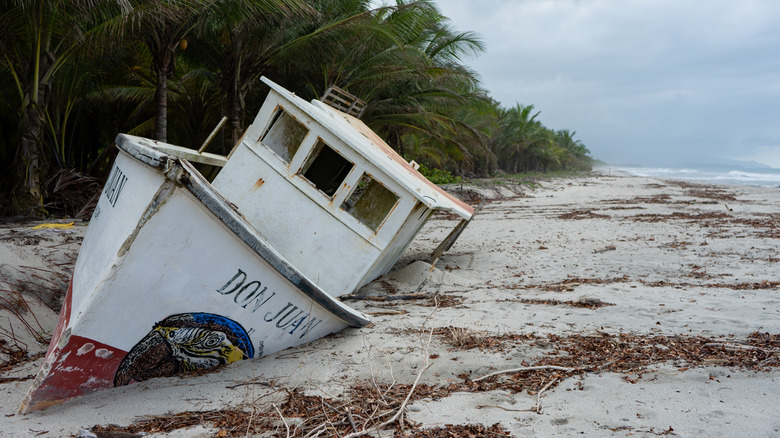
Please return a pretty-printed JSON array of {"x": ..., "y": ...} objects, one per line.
[
  {"x": 165, "y": 191},
  {"x": 103, "y": 353},
  {"x": 86, "y": 348}
]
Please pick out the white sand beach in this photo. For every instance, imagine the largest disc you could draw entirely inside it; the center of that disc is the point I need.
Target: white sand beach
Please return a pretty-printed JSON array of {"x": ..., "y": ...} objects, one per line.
[{"x": 650, "y": 307}]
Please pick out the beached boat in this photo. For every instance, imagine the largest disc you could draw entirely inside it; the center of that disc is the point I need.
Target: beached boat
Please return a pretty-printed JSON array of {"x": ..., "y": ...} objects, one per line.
[{"x": 178, "y": 274}]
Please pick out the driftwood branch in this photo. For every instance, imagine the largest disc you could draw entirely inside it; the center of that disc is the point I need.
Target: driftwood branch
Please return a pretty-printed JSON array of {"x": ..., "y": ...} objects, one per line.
[
  {"x": 738, "y": 347},
  {"x": 13, "y": 379},
  {"x": 415, "y": 296},
  {"x": 401, "y": 408},
  {"x": 515, "y": 370},
  {"x": 503, "y": 408},
  {"x": 539, "y": 395},
  {"x": 351, "y": 420},
  {"x": 605, "y": 248},
  {"x": 286, "y": 426},
  {"x": 255, "y": 381},
  {"x": 387, "y": 312}
]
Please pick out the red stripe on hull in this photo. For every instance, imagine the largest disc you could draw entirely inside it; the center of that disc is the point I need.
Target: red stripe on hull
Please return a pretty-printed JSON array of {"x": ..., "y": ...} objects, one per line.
[{"x": 80, "y": 367}]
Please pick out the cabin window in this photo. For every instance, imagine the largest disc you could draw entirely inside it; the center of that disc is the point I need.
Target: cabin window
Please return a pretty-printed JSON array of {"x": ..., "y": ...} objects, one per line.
[
  {"x": 370, "y": 202},
  {"x": 285, "y": 135},
  {"x": 326, "y": 168}
]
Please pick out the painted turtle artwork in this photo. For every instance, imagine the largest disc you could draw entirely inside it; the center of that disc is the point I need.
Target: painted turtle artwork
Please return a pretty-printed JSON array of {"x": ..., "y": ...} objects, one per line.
[{"x": 184, "y": 343}]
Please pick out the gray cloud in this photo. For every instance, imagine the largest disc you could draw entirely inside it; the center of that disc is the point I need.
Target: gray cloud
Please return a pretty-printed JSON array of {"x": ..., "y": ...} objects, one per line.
[{"x": 641, "y": 81}]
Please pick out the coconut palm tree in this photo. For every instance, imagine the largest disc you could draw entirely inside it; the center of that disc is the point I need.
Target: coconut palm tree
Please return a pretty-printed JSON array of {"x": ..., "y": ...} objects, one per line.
[
  {"x": 404, "y": 62},
  {"x": 518, "y": 135},
  {"x": 162, "y": 26},
  {"x": 577, "y": 155},
  {"x": 236, "y": 41},
  {"x": 39, "y": 40}
]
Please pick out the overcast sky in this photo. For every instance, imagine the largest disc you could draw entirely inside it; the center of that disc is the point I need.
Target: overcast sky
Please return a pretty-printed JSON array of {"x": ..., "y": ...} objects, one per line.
[{"x": 653, "y": 82}]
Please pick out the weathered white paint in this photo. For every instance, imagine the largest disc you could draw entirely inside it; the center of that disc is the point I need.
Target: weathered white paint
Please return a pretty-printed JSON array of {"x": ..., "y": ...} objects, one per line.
[
  {"x": 155, "y": 249},
  {"x": 176, "y": 263},
  {"x": 330, "y": 246},
  {"x": 262, "y": 247}
]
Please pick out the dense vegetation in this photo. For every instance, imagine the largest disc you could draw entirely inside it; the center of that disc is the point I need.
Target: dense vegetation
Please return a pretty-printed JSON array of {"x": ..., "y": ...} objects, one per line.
[{"x": 74, "y": 73}]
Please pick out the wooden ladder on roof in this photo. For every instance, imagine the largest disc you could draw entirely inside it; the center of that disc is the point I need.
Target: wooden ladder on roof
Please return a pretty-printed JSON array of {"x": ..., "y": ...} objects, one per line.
[{"x": 343, "y": 101}]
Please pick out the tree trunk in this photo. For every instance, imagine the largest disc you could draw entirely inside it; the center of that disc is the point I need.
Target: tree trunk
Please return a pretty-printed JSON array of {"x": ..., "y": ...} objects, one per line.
[
  {"x": 28, "y": 193},
  {"x": 234, "y": 111},
  {"x": 161, "y": 99}
]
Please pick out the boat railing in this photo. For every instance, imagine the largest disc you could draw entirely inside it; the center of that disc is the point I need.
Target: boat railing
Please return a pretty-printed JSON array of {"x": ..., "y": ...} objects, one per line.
[
  {"x": 196, "y": 156},
  {"x": 191, "y": 155},
  {"x": 343, "y": 101}
]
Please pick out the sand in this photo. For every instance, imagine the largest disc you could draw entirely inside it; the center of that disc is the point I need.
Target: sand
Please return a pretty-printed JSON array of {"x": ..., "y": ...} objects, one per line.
[{"x": 603, "y": 260}]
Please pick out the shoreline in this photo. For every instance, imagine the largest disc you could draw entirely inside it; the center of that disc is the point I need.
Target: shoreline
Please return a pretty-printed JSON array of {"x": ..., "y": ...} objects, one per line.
[
  {"x": 575, "y": 273},
  {"x": 725, "y": 176}
]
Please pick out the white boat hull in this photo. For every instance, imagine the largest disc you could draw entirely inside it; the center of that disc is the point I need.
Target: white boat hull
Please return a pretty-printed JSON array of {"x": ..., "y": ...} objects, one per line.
[{"x": 171, "y": 279}]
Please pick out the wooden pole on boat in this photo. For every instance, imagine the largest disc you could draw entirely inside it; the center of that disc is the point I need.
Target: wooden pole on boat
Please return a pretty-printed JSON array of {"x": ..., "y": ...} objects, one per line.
[
  {"x": 448, "y": 242},
  {"x": 211, "y": 136}
]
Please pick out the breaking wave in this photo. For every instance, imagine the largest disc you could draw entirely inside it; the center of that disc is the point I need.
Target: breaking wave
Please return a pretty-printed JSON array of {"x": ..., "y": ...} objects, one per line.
[{"x": 754, "y": 177}]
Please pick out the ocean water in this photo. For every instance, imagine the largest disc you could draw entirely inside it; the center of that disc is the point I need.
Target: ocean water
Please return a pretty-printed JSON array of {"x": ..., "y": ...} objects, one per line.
[{"x": 769, "y": 177}]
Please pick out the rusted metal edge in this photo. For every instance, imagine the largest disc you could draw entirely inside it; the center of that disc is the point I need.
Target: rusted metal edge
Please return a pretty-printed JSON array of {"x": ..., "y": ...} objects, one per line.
[{"x": 223, "y": 210}]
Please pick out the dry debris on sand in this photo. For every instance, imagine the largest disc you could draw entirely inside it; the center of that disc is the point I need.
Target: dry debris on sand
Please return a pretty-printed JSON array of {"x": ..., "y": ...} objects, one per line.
[{"x": 592, "y": 306}]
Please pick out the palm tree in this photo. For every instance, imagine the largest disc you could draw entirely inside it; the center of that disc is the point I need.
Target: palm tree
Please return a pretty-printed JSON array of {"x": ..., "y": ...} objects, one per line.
[
  {"x": 163, "y": 26},
  {"x": 577, "y": 154},
  {"x": 236, "y": 41},
  {"x": 518, "y": 134},
  {"x": 40, "y": 39},
  {"x": 465, "y": 148}
]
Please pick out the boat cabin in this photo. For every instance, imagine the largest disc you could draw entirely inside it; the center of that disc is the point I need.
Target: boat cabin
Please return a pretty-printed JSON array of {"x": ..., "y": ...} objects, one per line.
[{"x": 327, "y": 193}]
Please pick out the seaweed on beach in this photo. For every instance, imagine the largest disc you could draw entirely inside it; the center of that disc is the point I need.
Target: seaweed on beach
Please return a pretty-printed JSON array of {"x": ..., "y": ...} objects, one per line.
[
  {"x": 709, "y": 217},
  {"x": 424, "y": 299},
  {"x": 587, "y": 303},
  {"x": 227, "y": 420},
  {"x": 681, "y": 244},
  {"x": 698, "y": 272},
  {"x": 368, "y": 405},
  {"x": 470, "y": 431},
  {"x": 629, "y": 354},
  {"x": 650, "y": 199},
  {"x": 570, "y": 283},
  {"x": 462, "y": 338},
  {"x": 14, "y": 355},
  {"x": 626, "y": 207},
  {"x": 710, "y": 197},
  {"x": 766, "y": 225},
  {"x": 47, "y": 285},
  {"x": 711, "y": 193},
  {"x": 581, "y": 214},
  {"x": 363, "y": 407},
  {"x": 705, "y": 191},
  {"x": 754, "y": 285}
]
